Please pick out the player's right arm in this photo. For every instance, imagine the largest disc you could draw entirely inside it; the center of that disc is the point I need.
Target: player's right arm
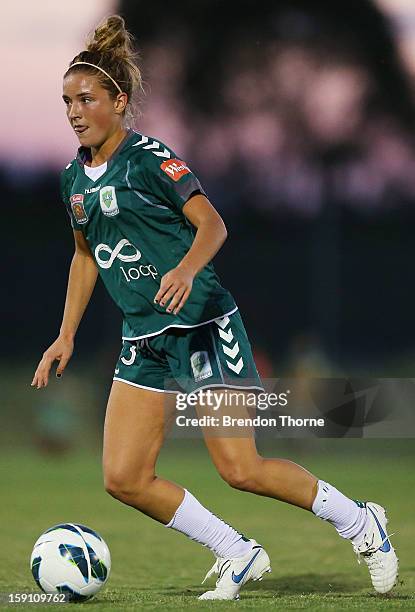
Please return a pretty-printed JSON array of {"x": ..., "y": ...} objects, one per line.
[{"x": 82, "y": 278}]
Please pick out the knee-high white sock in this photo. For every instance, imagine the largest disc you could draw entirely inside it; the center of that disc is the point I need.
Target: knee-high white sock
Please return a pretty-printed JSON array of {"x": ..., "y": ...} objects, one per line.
[
  {"x": 199, "y": 524},
  {"x": 343, "y": 513}
]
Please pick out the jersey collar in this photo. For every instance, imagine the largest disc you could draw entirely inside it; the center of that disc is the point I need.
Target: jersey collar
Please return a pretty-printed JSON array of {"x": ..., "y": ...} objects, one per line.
[{"x": 84, "y": 153}]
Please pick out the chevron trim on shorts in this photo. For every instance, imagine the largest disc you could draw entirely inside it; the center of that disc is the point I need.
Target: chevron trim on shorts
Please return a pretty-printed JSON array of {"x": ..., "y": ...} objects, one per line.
[{"x": 230, "y": 349}]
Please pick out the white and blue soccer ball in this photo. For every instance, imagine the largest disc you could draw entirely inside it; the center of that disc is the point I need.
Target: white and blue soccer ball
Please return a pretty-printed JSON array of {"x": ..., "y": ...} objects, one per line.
[{"x": 72, "y": 559}]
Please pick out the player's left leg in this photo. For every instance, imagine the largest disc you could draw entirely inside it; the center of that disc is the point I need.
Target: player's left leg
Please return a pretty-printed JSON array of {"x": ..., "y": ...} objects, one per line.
[
  {"x": 239, "y": 464},
  {"x": 219, "y": 354},
  {"x": 364, "y": 524}
]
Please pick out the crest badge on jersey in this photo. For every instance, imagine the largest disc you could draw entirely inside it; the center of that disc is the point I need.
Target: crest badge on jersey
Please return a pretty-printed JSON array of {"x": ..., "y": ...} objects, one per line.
[
  {"x": 201, "y": 367},
  {"x": 108, "y": 201},
  {"x": 175, "y": 168},
  {"x": 78, "y": 210}
]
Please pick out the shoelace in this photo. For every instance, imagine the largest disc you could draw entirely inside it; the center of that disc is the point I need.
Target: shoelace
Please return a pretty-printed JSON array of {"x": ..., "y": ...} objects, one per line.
[
  {"x": 370, "y": 551},
  {"x": 374, "y": 563}
]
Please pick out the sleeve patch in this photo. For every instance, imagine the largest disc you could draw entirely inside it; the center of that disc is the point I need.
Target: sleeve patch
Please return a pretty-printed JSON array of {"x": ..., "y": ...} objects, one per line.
[
  {"x": 175, "y": 168},
  {"x": 78, "y": 210}
]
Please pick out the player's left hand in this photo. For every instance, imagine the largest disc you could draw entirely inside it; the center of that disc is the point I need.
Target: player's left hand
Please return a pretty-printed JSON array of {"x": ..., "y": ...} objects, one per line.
[{"x": 175, "y": 288}]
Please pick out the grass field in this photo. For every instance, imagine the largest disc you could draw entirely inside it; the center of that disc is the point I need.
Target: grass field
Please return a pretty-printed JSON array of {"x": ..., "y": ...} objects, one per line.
[{"x": 156, "y": 568}]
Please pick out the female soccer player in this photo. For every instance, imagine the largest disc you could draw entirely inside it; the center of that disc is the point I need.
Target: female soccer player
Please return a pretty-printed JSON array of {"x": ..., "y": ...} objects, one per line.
[{"x": 143, "y": 222}]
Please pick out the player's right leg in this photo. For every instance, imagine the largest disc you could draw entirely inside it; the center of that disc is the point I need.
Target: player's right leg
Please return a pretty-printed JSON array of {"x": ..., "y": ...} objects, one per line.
[{"x": 133, "y": 435}]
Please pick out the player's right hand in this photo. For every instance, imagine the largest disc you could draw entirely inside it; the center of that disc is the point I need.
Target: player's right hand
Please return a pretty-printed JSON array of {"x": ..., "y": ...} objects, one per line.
[{"x": 61, "y": 350}]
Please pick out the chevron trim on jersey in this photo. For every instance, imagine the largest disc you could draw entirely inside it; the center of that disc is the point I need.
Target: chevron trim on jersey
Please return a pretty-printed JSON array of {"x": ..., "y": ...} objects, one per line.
[
  {"x": 143, "y": 140},
  {"x": 232, "y": 351},
  {"x": 152, "y": 146}
]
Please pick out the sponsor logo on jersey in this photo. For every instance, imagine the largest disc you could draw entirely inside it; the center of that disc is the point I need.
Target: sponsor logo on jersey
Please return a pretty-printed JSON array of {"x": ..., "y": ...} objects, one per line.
[
  {"x": 78, "y": 210},
  {"x": 133, "y": 253},
  {"x": 126, "y": 253},
  {"x": 93, "y": 189},
  {"x": 108, "y": 201},
  {"x": 201, "y": 367},
  {"x": 175, "y": 168}
]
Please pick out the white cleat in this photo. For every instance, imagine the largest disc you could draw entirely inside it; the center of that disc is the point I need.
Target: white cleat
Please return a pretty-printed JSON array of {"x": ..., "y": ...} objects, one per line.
[
  {"x": 234, "y": 573},
  {"x": 377, "y": 551}
]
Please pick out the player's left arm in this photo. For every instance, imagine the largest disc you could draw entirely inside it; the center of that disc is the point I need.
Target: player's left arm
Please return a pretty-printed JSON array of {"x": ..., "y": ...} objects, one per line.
[{"x": 176, "y": 285}]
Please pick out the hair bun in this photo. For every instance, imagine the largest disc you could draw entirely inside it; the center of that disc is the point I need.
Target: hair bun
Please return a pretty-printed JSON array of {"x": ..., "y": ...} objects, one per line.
[
  {"x": 110, "y": 52},
  {"x": 111, "y": 37}
]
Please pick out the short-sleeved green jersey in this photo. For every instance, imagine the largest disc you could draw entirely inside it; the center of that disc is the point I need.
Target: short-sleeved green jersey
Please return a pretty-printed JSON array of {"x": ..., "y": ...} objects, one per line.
[{"x": 130, "y": 212}]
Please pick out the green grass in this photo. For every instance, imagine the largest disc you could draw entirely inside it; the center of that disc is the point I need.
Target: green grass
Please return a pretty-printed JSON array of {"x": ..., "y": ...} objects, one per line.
[{"x": 157, "y": 568}]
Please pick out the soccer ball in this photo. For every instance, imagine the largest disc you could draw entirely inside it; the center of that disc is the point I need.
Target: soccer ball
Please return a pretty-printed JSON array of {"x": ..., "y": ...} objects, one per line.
[{"x": 72, "y": 559}]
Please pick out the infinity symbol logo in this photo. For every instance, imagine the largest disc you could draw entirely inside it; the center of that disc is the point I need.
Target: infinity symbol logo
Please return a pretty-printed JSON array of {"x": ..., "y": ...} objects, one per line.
[{"x": 107, "y": 263}]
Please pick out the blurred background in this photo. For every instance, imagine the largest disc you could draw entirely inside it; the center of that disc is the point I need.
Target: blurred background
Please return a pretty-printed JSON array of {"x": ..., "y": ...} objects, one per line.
[{"x": 297, "y": 117}]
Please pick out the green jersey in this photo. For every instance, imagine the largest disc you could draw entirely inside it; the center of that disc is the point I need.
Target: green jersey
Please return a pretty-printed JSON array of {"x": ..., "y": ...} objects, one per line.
[{"x": 130, "y": 212}]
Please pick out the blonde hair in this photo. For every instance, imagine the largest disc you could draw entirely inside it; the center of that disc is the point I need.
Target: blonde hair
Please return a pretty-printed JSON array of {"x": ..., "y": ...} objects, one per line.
[{"x": 111, "y": 49}]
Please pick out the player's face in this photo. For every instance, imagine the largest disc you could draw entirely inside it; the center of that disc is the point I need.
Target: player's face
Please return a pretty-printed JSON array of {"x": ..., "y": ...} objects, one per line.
[{"x": 92, "y": 113}]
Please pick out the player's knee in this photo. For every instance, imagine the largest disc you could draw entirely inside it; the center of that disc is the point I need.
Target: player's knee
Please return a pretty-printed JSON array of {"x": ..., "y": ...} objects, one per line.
[
  {"x": 237, "y": 477},
  {"x": 126, "y": 490},
  {"x": 244, "y": 475},
  {"x": 119, "y": 488}
]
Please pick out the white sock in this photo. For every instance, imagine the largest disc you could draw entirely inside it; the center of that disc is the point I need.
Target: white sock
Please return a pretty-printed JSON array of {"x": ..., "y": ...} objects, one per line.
[
  {"x": 343, "y": 513},
  {"x": 195, "y": 521}
]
